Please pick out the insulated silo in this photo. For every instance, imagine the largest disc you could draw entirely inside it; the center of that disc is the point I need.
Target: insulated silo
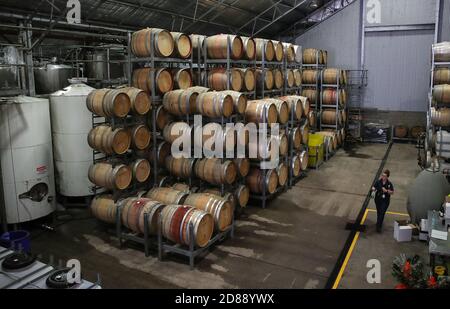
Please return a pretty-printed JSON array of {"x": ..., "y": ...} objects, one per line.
[
  {"x": 26, "y": 158},
  {"x": 71, "y": 123}
]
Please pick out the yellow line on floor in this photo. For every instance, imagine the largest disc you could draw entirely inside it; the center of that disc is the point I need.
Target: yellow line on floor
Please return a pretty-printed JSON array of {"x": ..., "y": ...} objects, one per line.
[
  {"x": 349, "y": 253},
  {"x": 391, "y": 213}
]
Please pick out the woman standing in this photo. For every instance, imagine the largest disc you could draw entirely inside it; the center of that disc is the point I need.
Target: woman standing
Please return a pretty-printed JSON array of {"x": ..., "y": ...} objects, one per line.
[{"x": 383, "y": 189}]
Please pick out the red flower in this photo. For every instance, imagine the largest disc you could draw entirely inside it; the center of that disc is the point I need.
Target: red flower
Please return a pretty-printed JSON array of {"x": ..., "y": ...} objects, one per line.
[
  {"x": 407, "y": 269},
  {"x": 401, "y": 286},
  {"x": 432, "y": 283}
]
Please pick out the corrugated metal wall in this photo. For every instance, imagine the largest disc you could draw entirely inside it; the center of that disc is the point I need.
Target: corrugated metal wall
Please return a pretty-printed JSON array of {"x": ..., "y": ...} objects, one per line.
[{"x": 398, "y": 61}]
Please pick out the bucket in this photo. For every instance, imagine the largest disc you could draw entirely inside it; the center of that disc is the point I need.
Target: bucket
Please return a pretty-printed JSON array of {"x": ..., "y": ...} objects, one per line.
[{"x": 16, "y": 240}]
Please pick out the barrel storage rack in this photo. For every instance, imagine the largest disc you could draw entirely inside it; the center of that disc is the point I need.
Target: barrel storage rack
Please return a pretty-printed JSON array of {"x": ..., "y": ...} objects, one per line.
[
  {"x": 152, "y": 62},
  {"x": 357, "y": 84},
  {"x": 293, "y": 124},
  {"x": 264, "y": 66},
  {"x": 338, "y": 107},
  {"x": 296, "y": 90},
  {"x": 319, "y": 67},
  {"x": 436, "y": 129},
  {"x": 205, "y": 64}
]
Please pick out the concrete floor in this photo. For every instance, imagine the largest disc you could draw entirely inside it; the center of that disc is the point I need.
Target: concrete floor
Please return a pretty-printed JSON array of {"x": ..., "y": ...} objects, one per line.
[{"x": 294, "y": 243}]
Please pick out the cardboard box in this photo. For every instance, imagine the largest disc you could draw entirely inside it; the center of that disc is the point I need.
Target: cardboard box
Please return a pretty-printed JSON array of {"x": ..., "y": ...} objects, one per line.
[{"x": 402, "y": 231}]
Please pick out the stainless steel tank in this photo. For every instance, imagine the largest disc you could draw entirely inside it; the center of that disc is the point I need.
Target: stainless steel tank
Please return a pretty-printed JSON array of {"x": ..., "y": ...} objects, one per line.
[
  {"x": 426, "y": 193},
  {"x": 52, "y": 77},
  {"x": 97, "y": 67}
]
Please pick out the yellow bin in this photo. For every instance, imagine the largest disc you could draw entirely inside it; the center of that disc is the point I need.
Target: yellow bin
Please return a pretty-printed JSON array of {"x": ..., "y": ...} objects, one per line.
[{"x": 316, "y": 147}]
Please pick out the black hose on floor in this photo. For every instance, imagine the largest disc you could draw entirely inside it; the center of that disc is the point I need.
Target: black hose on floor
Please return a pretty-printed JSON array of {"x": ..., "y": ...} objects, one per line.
[{"x": 337, "y": 267}]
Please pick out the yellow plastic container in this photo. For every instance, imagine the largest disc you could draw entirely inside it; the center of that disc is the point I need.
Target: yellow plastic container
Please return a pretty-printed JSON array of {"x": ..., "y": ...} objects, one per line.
[{"x": 316, "y": 145}]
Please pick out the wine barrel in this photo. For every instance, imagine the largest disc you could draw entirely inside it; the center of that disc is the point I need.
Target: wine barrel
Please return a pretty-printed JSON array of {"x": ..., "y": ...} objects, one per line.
[
  {"x": 243, "y": 166},
  {"x": 282, "y": 109},
  {"x": 267, "y": 80},
  {"x": 215, "y": 172},
  {"x": 266, "y": 48},
  {"x": 104, "y": 208},
  {"x": 312, "y": 56},
  {"x": 441, "y": 93},
  {"x": 135, "y": 211},
  {"x": 176, "y": 130},
  {"x": 199, "y": 89},
  {"x": 289, "y": 52},
  {"x": 214, "y": 134},
  {"x": 197, "y": 41},
  {"x": 104, "y": 139},
  {"x": 417, "y": 131},
  {"x": 329, "y": 117},
  {"x": 297, "y": 78},
  {"x": 221, "y": 210},
  {"x": 163, "y": 150},
  {"x": 310, "y": 77},
  {"x": 283, "y": 143},
  {"x": 305, "y": 133},
  {"x": 303, "y": 157},
  {"x": 279, "y": 51},
  {"x": 182, "y": 78},
  {"x": 140, "y": 100},
  {"x": 181, "y": 167},
  {"x": 217, "y": 46},
  {"x": 282, "y": 173},
  {"x": 442, "y": 76},
  {"x": 163, "y": 118},
  {"x": 167, "y": 196},
  {"x": 215, "y": 104},
  {"x": 242, "y": 195},
  {"x": 218, "y": 79},
  {"x": 332, "y": 76},
  {"x": 401, "y": 132},
  {"x": 184, "y": 187},
  {"x": 110, "y": 177},
  {"x": 441, "y": 52},
  {"x": 338, "y": 135},
  {"x": 290, "y": 78},
  {"x": 180, "y": 102},
  {"x": 140, "y": 170},
  {"x": 176, "y": 223},
  {"x": 161, "y": 79},
  {"x": 239, "y": 100},
  {"x": 327, "y": 142},
  {"x": 183, "y": 45},
  {"x": 278, "y": 79},
  {"x": 312, "y": 119},
  {"x": 249, "y": 48},
  {"x": 324, "y": 58},
  {"x": 257, "y": 179},
  {"x": 311, "y": 94},
  {"x": 109, "y": 103},
  {"x": 162, "y": 43},
  {"x": 261, "y": 111},
  {"x": 263, "y": 149},
  {"x": 298, "y": 54},
  {"x": 295, "y": 106},
  {"x": 440, "y": 117},
  {"x": 216, "y": 193},
  {"x": 296, "y": 138},
  {"x": 330, "y": 97},
  {"x": 249, "y": 79},
  {"x": 306, "y": 105},
  {"x": 333, "y": 142},
  {"x": 140, "y": 137},
  {"x": 296, "y": 166}
]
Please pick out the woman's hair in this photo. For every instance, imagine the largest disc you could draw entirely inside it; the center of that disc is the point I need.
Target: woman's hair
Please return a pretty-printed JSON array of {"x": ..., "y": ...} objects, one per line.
[{"x": 387, "y": 172}]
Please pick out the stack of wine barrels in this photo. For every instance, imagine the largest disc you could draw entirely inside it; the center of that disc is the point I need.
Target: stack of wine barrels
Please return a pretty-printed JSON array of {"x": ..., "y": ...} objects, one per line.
[{"x": 114, "y": 172}]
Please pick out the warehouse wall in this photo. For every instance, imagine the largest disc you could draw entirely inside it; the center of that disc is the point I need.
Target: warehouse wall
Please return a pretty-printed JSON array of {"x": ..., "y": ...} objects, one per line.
[
  {"x": 445, "y": 21},
  {"x": 398, "y": 61},
  {"x": 328, "y": 36}
]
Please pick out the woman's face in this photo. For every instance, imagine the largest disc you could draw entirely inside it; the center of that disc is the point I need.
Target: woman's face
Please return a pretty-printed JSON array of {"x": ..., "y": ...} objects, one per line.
[{"x": 384, "y": 177}]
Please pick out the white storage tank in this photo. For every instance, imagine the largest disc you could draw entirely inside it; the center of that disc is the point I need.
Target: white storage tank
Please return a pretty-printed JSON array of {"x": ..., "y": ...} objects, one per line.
[
  {"x": 442, "y": 144},
  {"x": 26, "y": 158},
  {"x": 71, "y": 123}
]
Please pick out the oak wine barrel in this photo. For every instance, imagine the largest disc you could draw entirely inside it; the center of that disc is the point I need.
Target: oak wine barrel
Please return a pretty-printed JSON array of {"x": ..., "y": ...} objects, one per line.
[
  {"x": 279, "y": 51},
  {"x": 303, "y": 157},
  {"x": 167, "y": 196},
  {"x": 218, "y": 79},
  {"x": 441, "y": 93},
  {"x": 297, "y": 78},
  {"x": 268, "y": 81},
  {"x": 176, "y": 223},
  {"x": 163, "y": 150},
  {"x": 296, "y": 166},
  {"x": 442, "y": 76},
  {"x": 249, "y": 48},
  {"x": 215, "y": 172},
  {"x": 261, "y": 111},
  {"x": 239, "y": 100},
  {"x": 217, "y": 46},
  {"x": 243, "y": 166},
  {"x": 135, "y": 211},
  {"x": 180, "y": 167},
  {"x": 295, "y": 106},
  {"x": 162, "y": 43},
  {"x": 215, "y": 104},
  {"x": 221, "y": 210},
  {"x": 290, "y": 78},
  {"x": 278, "y": 79},
  {"x": 305, "y": 133},
  {"x": 401, "y": 131},
  {"x": 163, "y": 118},
  {"x": 140, "y": 100},
  {"x": 140, "y": 137},
  {"x": 141, "y": 170},
  {"x": 312, "y": 56},
  {"x": 259, "y": 179},
  {"x": 329, "y": 117},
  {"x": 249, "y": 79},
  {"x": 176, "y": 130},
  {"x": 289, "y": 52},
  {"x": 282, "y": 173},
  {"x": 103, "y": 207},
  {"x": 180, "y": 102},
  {"x": 213, "y": 134},
  {"x": 182, "y": 78},
  {"x": 296, "y": 138},
  {"x": 109, "y": 103},
  {"x": 298, "y": 54},
  {"x": 242, "y": 195},
  {"x": 283, "y": 143},
  {"x": 110, "y": 177},
  {"x": 161, "y": 78},
  {"x": 310, "y": 77},
  {"x": 104, "y": 139},
  {"x": 216, "y": 193},
  {"x": 266, "y": 48},
  {"x": 282, "y": 109},
  {"x": 311, "y": 94},
  {"x": 183, "y": 45},
  {"x": 197, "y": 41},
  {"x": 312, "y": 119}
]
